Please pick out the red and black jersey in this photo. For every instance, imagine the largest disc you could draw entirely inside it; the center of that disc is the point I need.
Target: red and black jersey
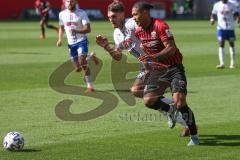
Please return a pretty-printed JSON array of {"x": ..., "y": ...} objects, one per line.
[
  {"x": 42, "y": 6},
  {"x": 152, "y": 40}
]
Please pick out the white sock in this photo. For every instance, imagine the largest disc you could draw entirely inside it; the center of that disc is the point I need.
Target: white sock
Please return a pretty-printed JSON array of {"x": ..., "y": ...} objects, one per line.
[
  {"x": 232, "y": 55},
  {"x": 180, "y": 120},
  {"x": 221, "y": 55},
  {"x": 89, "y": 81},
  {"x": 89, "y": 57},
  {"x": 167, "y": 100}
]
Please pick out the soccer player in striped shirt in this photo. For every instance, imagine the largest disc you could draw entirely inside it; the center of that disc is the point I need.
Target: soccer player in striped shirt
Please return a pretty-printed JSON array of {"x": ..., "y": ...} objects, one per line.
[
  {"x": 166, "y": 69},
  {"x": 124, "y": 30}
]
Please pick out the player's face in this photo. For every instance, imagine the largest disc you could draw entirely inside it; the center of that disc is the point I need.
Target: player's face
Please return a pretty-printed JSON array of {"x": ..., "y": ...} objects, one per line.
[
  {"x": 116, "y": 18},
  {"x": 138, "y": 16},
  {"x": 71, "y": 4}
]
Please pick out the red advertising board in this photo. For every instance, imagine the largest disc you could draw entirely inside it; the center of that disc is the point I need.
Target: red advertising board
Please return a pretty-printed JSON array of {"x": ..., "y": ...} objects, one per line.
[{"x": 13, "y": 9}]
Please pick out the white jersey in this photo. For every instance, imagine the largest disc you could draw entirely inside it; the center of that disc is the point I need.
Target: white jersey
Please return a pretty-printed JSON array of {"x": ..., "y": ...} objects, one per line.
[
  {"x": 224, "y": 12},
  {"x": 119, "y": 35},
  {"x": 73, "y": 20}
]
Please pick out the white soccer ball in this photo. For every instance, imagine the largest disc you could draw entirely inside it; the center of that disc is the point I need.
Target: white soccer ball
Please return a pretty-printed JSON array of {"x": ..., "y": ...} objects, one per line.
[{"x": 13, "y": 141}]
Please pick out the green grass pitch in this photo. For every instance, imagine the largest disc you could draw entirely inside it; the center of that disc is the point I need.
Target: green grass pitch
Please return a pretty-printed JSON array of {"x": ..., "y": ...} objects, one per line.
[{"x": 27, "y": 103}]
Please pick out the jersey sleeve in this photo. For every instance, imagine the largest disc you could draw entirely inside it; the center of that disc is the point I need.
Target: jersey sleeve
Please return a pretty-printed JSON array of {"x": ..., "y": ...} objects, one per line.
[
  {"x": 214, "y": 10},
  {"x": 130, "y": 28},
  {"x": 118, "y": 38},
  {"x": 164, "y": 32},
  {"x": 234, "y": 9},
  {"x": 85, "y": 19},
  {"x": 61, "y": 23}
]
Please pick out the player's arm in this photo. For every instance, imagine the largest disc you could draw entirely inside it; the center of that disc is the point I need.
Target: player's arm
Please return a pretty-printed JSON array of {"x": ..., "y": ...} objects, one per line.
[
  {"x": 85, "y": 29},
  {"x": 60, "y": 35},
  {"x": 47, "y": 8},
  {"x": 115, "y": 53},
  {"x": 168, "y": 51},
  {"x": 237, "y": 16},
  {"x": 214, "y": 13},
  {"x": 213, "y": 18}
]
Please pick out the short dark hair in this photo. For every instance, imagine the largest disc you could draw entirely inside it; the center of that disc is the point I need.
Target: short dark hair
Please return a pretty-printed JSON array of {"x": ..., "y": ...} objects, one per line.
[
  {"x": 116, "y": 6},
  {"x": 142, "y": 5}
]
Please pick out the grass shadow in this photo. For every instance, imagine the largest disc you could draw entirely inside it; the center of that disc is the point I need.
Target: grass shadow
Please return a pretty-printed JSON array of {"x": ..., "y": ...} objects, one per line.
[
  {"x": 31, "y": 150},
  {"x": 220, "y": 140}
]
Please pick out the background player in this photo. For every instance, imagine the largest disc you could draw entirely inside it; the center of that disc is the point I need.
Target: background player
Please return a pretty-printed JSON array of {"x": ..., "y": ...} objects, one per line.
[
  {"x": 76, "y": 24},
  {"x": 63, "y": 5},
  {"x": 224, "y": 12},
  {"x": 42, "y": 8}
]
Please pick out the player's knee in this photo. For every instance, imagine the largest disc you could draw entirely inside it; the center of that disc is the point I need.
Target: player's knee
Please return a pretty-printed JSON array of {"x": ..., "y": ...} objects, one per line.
[
  {"x": 137, "y": 91},
  {"x": 221, "y": 44},
  {"x": 231, "y": 43},
  {"x": 41, "y": 23},
  {"x": 150, "y": 102},
  {"x": 180, "y": 105}
]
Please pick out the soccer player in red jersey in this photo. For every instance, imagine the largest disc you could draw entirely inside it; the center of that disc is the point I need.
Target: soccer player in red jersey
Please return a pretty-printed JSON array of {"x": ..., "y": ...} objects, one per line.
[
  {"x": 42, "y": 7},
  {"x": 166, "y": 68}
]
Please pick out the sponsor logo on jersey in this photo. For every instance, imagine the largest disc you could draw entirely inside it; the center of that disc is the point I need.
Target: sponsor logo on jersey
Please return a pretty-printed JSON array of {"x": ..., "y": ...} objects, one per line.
[
  {"x": 153, "y": 34},
  {"x": 71, "y": 24},
  {"x": 151, "y": 43}
]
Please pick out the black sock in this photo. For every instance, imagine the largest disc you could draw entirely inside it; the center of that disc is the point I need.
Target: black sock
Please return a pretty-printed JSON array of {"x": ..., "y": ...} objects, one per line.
[
  {"x": 51, "y": 26},
  {"x": 160, "y": 105},
  {"x": 43, "y": 31},
  {"x": 189, "y": 118}
]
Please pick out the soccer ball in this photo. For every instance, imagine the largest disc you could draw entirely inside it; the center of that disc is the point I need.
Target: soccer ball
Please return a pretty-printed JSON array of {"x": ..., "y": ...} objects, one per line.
[{"x": 13, "y": 141}]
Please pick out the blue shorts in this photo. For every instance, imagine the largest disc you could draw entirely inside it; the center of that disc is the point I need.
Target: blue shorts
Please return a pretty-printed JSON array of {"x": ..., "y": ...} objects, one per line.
[
  {"x": 80, "y": 48},
  {"x": 225, "y": 35}
]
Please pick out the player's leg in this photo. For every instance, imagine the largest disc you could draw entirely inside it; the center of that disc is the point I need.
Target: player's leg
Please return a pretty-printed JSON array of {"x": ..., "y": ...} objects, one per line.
[
  {"x": 153, "y": 98},
  {"x": 92, "y": 56},
  {"x": 42, "y": 23},
  {"x": 179, "y": 90},
  {"x": 173, "y": 116},
  {"x": 138, "y": 85},
  {"x": 82, "y": 52},
  {"x": 187, "y": 115},
  {"x": 86, "y": 71},
  {"x": 232, "y": 49},
  {"x": 221, "y": 40},
  {"x": 73, "y": 53},
  {"x": 137, "y": 90},
  {"x": 49, "y": 25}
]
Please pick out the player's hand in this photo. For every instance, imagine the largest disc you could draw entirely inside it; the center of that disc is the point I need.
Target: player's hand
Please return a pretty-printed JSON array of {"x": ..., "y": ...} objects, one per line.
[
  {"x": 212, "y": 21},
  {"x": 238, "y": 19},
  {"x": 146, "y": 57},
  {"x": 127, "y": 43},
  {"x": 102, "y": 41},
  {"x": 59, "y": 43}
]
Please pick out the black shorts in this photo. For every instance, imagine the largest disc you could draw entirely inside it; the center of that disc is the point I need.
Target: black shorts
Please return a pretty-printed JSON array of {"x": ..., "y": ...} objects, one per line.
[
  {"x": 159, "y": 80},
  {"x": 45, "y": 18}
]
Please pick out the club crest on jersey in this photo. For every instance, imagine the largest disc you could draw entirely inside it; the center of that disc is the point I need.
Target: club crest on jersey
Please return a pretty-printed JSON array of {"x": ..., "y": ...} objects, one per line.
[
  {"x": 154, "y": 34},
  {"x": 168, "y": 32}
]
